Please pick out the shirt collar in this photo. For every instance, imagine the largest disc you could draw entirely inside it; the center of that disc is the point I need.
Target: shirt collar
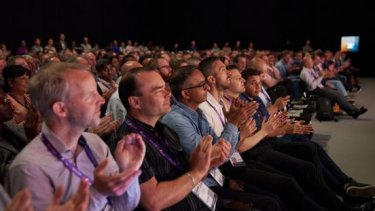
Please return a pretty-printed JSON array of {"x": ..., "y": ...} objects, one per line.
[
  {"x": 54, "y": 140},
  {"x": 187, "y": 110},
  {"x": 144, "y": 126},
  {"x": 212, "y": 101},
  {"x": 244, "y": 96}
]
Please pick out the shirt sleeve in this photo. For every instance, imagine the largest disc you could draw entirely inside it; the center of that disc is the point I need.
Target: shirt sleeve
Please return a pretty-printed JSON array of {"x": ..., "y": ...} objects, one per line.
[
  {"x": 130, "y": 199},
  {"x": 116, "y": 109},
  {"x": 187, "y": 133},
  {"x": 210, "y": 116},
  {"x": 229, "y": 133},
  {"x": 277, "y": 73},
  {"x": 4, "y": 198},
  {"x": 281, "y": 70},
  {"x": 32, "y": 177},
  {"x": 147, "y": 171},
  {"x": 311, "y": 83}
]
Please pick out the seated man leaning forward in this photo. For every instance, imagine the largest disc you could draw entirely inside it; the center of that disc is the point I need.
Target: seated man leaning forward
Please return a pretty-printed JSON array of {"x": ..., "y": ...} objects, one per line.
[
  {"x": 171, "y": 179},
  {"x": 63, "y": 154},
  {"x": 167, "y": 178}
]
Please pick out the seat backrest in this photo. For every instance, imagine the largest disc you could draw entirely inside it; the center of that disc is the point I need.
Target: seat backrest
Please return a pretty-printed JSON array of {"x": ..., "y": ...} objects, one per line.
[
  {"x": 324, "y": 110},
  {"x": 303, "y": 86}
]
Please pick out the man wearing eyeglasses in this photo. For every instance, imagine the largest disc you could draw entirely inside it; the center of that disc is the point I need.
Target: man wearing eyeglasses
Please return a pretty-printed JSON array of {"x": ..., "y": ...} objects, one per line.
[
  {"x": 187, "y": 120},
  {"x": 190, "y": 88},
  {"x": 163, "y": 67},
  {"x": 168, "y": 177}
]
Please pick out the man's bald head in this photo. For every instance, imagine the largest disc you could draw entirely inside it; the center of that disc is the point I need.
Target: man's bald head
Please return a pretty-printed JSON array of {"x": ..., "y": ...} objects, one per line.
[{"x": 129, "y": 65}]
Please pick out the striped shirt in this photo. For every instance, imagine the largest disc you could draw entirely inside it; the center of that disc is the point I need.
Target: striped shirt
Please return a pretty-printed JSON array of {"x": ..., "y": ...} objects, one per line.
[{"x": 155, "y": 164}]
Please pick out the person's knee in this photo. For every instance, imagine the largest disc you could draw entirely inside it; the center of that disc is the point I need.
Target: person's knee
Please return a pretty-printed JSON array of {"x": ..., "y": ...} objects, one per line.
[
  {"x": 289, "y": 184},
  {"x": 308, "y": 170},
  {"x": 267, "y": 203},
  {"x": 271, "y": 204},
  {"x": 311, "y": 149}
]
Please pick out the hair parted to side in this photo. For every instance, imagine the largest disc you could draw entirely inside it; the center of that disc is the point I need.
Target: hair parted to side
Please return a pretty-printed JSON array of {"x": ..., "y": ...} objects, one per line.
[
  {"x": 178, "y": 78},
  {"x": 206, "y": 65},
  {"x": 129, "y": 86},
  {"x": 249, "y": 72},
  {"x": 49, "y": 85}
]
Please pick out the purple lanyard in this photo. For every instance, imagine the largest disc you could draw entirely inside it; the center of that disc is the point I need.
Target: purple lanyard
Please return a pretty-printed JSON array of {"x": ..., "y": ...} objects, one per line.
[
  {"x": 266, "y": 95},
  {"x": 105, "y": 83},
  {"x": 69, "y": 164},
  {"x": 314, "y": 74},
  {"x": 148, "y": 137},
  {"x": 218, "y": 114},
  {"x": 228, "y": 99}
]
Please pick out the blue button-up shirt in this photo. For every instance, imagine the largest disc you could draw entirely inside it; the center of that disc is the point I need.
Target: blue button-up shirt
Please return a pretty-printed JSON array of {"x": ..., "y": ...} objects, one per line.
[
  {"x": 261, "y": 113},
  {"x": 283, "y": 68},
  {"x": 191, "y": 126}
]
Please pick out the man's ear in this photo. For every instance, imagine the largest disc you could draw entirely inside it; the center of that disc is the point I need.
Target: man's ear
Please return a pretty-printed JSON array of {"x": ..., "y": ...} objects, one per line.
[
  {"x": 10, "y": 83},
  {"x": 59, "y": 108},
  {"x": 185, "y": 94},
  {"x": 134, "y": 102},
  {"x": 211, "y": 79}
]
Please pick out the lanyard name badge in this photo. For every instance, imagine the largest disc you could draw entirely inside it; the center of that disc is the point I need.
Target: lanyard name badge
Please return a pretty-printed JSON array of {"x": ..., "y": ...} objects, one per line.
[
  {"x": 206, "y": 195},
  {"x": 69, "y": 165},
  {"x": 218, "y": 176},
  {"x": 236, "y": 160},
  {"x": 223, "y": 121},
  {"x": 147, "y": 137}
]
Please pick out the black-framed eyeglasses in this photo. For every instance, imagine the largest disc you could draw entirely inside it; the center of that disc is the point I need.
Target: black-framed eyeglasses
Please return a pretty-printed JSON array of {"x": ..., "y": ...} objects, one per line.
[{"x": 202, "y": 84}]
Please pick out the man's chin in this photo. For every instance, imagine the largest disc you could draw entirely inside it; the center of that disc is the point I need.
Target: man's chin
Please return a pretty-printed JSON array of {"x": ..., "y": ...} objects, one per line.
[
  {"x": 95, "y": 123},
  {"x": 166, "y": 111},
  {"x": 168, "y": 108}
]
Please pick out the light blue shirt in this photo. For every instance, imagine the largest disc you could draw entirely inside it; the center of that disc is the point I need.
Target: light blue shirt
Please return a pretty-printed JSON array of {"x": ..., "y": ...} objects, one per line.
[
  {"x": 283, "y": 68},
  {"x": 116, "y": 108},
  {"x": 191, "y": 126}
]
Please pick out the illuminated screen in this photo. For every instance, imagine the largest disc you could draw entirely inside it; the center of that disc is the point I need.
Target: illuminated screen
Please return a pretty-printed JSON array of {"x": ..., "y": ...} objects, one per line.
[{"x": 350, "y": 43}]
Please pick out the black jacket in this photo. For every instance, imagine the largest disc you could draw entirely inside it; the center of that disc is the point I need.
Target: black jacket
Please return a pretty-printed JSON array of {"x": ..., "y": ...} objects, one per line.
[{"x": 12, "y": 141}]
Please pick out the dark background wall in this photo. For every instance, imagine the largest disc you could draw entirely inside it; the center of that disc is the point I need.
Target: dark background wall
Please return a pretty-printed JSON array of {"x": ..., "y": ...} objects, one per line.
[{"x": 269, "y": 24}]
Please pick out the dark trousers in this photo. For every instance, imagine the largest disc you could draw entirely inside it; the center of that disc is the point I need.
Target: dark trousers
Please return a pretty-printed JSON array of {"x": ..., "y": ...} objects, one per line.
[
  {"x": 257, "y": 198},
  {"x": 334, "y": 96},
  {"x": 351, "y": 79},
  {"x": 301, "y": 161},
  {"x": 279, "y": 90},
  {"x": 333, "y": 175},
  {"x": 269, "y": 179}
]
